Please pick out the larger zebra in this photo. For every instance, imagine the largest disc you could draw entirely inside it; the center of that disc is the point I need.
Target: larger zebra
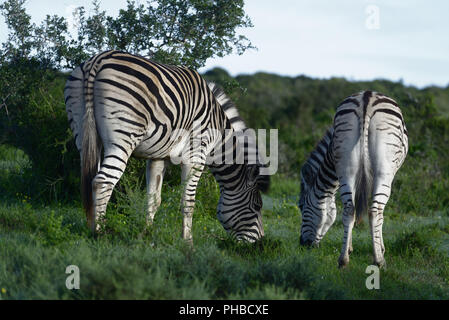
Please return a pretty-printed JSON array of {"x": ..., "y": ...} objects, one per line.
[
  {"x": 127, "y": 105},
  {"x": 360, "y": 156}
]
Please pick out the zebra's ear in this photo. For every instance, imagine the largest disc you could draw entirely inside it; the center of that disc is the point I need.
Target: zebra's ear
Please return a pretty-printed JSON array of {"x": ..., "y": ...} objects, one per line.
[
  {"x": 252, "y": 172},
  {"x": 263, "y": 183},
  {"x": 307, "y": 174},
  {"x": 263, "y": 180}
]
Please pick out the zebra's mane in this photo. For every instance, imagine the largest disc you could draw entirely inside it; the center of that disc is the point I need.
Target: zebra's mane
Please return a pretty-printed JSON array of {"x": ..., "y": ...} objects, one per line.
[
  {"x": 310, "y": 168},
  {"x": 228, "y": 107},
  {"x": 237, "y": 123}
]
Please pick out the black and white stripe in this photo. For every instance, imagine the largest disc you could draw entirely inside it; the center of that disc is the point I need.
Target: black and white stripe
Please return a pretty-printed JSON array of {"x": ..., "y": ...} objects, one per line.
[
  {"x": 120, "y": 105},
  {"x": 360, "y": 156},
  {"x": 235, "y": 179}
]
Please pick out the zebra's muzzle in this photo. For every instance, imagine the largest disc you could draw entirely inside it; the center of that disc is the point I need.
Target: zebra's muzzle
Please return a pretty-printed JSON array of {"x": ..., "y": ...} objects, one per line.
[
  {"x": 308, "y": 242},
  {"x": 303, "y": 242}
]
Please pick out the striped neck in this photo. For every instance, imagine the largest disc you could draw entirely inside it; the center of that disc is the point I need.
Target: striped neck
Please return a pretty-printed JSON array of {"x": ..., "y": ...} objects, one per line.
[
  {"x": 229, "y": 107},
  {"x": 318, "y": 177},
  {"x": 245, "y": 154}
]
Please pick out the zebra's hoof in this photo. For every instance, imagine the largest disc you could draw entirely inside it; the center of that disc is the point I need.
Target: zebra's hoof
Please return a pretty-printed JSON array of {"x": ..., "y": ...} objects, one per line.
[
  {"x": 381, "y": 263},
  {"x": 343, "y": 261},
  {"x": 189, "y": 242}
]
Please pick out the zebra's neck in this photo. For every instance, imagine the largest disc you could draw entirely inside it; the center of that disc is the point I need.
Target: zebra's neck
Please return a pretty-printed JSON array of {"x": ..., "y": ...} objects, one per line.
[
  {"x": 238, "y": 147},
  {"x": 228, "y": 107},
  {"x": 318, "y": 172},
  {"x": 233, "y": 155}
]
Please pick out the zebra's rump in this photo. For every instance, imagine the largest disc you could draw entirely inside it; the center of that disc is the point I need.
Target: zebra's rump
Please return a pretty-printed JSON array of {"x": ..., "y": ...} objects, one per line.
[{"x": 378, "y": 123}]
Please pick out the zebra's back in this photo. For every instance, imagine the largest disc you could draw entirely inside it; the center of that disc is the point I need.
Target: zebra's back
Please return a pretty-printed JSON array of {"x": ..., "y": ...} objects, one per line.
[{"x": 141, "y": 105}]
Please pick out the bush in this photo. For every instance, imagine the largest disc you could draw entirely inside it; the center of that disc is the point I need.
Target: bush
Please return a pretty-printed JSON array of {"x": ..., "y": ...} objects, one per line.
[{"x": 36, "y": 123}]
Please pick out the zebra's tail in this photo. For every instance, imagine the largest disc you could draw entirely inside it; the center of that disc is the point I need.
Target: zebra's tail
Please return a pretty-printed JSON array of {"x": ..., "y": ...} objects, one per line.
[
  {"x": 364, "y": 177},
  {"x": 363, "y": 190},
  {"x": 90, "y": 153}
]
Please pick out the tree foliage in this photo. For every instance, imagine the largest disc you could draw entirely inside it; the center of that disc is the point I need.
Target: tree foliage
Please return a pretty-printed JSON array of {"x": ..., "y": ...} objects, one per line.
[{"x": 169, "y": 31}]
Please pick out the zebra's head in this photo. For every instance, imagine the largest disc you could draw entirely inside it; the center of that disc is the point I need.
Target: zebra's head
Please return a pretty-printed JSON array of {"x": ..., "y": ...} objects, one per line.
[
  {"x": 240, "y": 205},
  {"x": 317, "y": 205}
]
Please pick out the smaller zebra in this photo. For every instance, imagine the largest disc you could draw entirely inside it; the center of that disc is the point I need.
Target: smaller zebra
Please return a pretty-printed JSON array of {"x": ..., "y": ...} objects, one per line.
[{"x": 359, "y": 156}]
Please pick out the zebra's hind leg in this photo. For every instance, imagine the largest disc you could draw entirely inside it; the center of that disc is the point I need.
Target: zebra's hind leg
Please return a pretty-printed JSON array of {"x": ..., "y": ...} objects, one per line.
[
  {"x": 154, "y": 176},
  {"x": 376, "y": 221},
  {"x": 111, "y": 170},
  {"x": 346, "y": 151},
  {"x": 381, "y": 194}
]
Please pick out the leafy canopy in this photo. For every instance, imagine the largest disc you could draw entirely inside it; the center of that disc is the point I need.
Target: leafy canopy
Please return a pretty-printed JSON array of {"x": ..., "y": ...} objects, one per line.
[{"x": 185, "y": 32}]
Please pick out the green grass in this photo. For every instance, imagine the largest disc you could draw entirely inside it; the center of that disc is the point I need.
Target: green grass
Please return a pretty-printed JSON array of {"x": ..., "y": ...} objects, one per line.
[{"x": 132, "y": 261}]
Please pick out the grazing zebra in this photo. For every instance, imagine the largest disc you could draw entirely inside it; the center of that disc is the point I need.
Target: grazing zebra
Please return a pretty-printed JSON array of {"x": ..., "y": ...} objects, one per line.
[
  {"x": 125, "y": 105},
  {"x": 360, "y": 156}
]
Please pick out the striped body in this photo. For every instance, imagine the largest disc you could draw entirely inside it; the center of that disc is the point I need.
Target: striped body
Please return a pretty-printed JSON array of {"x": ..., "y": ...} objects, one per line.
[
  {"x": 359, "y": 156},
  {"x": 127, "y": 105}
]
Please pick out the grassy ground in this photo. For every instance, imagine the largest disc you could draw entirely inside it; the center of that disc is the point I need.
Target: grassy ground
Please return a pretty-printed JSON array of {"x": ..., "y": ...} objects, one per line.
[{"x": 132, "y": 261}]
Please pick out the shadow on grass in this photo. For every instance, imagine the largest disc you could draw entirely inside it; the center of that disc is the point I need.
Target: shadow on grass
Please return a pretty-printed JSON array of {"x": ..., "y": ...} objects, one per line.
[{"x": 262, "y": 247}]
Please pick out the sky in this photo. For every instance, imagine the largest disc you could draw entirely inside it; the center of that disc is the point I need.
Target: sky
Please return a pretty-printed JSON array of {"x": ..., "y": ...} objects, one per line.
[{"x": 404, "y": 40}]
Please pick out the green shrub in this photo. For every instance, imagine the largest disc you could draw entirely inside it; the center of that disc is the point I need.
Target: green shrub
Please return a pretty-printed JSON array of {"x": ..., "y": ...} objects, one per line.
[{"x": 37, "y": 124}]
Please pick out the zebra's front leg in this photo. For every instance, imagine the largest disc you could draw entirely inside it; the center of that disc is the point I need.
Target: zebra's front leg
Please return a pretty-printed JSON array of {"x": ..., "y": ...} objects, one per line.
[
  {"x": 191, "y": 174},
  {"x": 350, "y": 248},
  {"x": 331, "y": 216},
  {"x": 155, "y": 171},
  {"x": 348, "y": 223}
]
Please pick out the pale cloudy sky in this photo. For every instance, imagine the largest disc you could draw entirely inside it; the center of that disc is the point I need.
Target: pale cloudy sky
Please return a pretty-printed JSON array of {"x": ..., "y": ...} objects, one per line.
[{"x": 355, "y": 39}]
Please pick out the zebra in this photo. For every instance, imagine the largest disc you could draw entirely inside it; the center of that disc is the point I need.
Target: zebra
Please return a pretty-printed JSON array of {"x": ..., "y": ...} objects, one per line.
[
  {"x": 360, "y": 156},
  {"x": 121, "y": 104}
]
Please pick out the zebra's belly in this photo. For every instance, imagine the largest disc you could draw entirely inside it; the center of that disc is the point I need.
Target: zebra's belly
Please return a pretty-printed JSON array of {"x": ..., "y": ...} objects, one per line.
[{"x": 161, "y": 145}]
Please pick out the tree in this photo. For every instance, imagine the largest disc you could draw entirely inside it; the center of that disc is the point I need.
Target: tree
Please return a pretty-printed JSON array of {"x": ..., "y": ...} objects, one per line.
[
  {"x": 19, "y": 42},
  {"x": 186, "y": 32}
]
